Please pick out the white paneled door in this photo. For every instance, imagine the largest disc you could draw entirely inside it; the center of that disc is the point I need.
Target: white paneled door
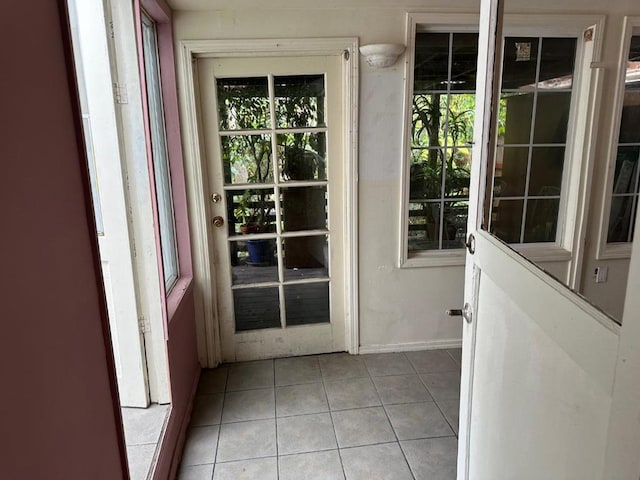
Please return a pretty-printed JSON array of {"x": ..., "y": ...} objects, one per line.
[
  {"x": 273, "y": 136},
  {"x": 541, "y": 366}
]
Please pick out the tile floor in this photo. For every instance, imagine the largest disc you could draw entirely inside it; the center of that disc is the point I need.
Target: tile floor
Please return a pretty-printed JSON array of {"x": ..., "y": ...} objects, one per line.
[
  {"x": 385, "y": 416},
  {"x": 142, "y": 430}
]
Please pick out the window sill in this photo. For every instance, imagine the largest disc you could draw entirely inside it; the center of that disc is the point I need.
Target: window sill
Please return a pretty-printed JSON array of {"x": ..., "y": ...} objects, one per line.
[
  {"x": 177, "y": 293},
  {"x": 453, "y": 258},
  {"x": 435, "y": 258},
  {"x": 615, "y": 251}
]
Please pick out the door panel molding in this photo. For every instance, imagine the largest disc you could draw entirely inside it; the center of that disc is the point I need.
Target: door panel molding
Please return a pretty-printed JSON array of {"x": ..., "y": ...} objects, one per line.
[{"x": 207, "y": 318}]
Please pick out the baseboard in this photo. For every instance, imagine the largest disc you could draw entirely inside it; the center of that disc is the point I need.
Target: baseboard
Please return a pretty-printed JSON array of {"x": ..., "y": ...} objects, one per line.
[{"x": 411, "y": 346}]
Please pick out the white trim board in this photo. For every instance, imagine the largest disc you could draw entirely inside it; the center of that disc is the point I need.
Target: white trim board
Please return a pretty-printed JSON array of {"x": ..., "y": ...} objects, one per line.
[
  {"x": 411, "y": 346},
  {"x": 207, "y": 322}
]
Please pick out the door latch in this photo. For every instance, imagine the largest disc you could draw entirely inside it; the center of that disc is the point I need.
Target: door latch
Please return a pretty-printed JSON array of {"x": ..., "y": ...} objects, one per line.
[{"x": 465, "y": 312}]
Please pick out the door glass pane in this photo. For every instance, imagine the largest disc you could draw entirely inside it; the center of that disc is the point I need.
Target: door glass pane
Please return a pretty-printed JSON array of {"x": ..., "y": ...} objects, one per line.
[
  {"x": 630, "y": 123},
  {"x": 552, "y": 117},
  {"x": 556, "y": 63},
  {"x": 620, "y": 219},
  {"x": 626, "y": 170},
  {"x": 253, "y": 261},
  {"x": 299, "y": 101},
  {"x": 302, "y": 156},
  {"x": 520, "y": 62},
  {"x": 454, "y": 230},
  {"x": 256, "y": 308},
  {"x": 424, "y": 226},
  {"x": 304, "y": 208},
  {"x": 506, "y": 219},
  {"x": 546, "y": 171},
  {"x": 431, "y": 70},
  {"x": 247, "y": 159},
  {"x": 542, "y": 218},
  {"x": 251, "y": 211},
  {"x": 307, "y": 303},
  {"x": 243, "y": 103},
  {"x": 514, "y": 122},
  {"x": 511, "y": 171},
  {"x": 305, "y": 257}
]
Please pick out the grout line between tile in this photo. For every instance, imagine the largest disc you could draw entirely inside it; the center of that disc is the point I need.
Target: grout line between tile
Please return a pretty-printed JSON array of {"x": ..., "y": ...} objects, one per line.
[{"x": 397, "y": 440}]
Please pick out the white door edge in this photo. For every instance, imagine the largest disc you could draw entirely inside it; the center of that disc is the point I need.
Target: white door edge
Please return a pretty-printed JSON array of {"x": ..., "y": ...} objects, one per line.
[{"x": 207, "y": 321}]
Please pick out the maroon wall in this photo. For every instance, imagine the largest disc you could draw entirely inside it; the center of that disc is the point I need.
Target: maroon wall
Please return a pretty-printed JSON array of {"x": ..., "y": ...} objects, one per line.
[{"x": 58, "y": 414}]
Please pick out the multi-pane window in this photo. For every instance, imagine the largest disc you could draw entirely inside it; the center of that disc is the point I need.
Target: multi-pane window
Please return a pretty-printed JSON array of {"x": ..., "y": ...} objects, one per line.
[
  {"x": 441, "y": 133},
  {"x": 535, "y": 101},
  {"x": 162, "y": 179},
  {"x": 626, "y": 181}
]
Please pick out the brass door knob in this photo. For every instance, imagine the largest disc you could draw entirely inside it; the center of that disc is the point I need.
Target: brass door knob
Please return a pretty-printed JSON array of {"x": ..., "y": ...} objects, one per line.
[{"x": 218, "y": 221}]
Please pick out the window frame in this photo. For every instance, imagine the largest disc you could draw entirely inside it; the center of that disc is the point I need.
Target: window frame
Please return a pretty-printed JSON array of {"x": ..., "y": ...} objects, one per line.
[
  {"x": 573, "y": 181},
  {"x": 616, "y": 250}
]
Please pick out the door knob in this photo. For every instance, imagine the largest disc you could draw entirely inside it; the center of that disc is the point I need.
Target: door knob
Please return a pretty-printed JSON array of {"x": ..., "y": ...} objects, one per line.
[
  {"x": 218, "y": 221},
  {"x": 464, "y": 312}
]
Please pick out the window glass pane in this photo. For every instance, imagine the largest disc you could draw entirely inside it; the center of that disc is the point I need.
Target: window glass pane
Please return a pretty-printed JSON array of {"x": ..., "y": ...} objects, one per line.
[
  {"x": 464, "y": 61},
  {"x": 514, "y": 121},
  {"x": 632, "y": 80},
  {"x": 557, "y": 62},
  {"x": 431, "y": 69},
  {"x": 304, "y": 208},
  {"x": 546, "y": 171},
  {"x": 302, "y": 156},
  {"x": 307, "y": 303},
  {"x": 299, "y": 101},
  {"x": 424, "y": 226},
  {"x": 620, "y": 219},
  {"x": 506, "y": 219},
  {"x": 253, "y": 261},
  {"x": 429, "y": 117},
  {"x": 552, "y": 117},
  {"x": 454, "y": 230},
  {"x": 160, "y": 157},
  {"x": 247, "y": 159},
  {"x": 542, "y": 219},
  {"x": 630, "y": 122},
  {"x": 306, "y": 257},
  {"x": 511, "y": 171},
  {"x": 626, "y": 170},
  {"x": 256, "y": 308},
  {"x": 243, "y": 103},
  {"x": 250, "y": 211},
  {"x": 426, "y": 173},
  {"x": 520, "y": 62},
  {"x": 458, "y": 172},
  {"x": 460, "y": 122}
]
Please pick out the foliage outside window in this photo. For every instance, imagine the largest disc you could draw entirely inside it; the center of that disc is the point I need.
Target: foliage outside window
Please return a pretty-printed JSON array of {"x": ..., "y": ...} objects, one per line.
[
  {"x": 159, "y": 153},
  {"x": 537, "y": 82},
  {"x": 626, "y": 182},
  {"x": 441, "y": 134}
]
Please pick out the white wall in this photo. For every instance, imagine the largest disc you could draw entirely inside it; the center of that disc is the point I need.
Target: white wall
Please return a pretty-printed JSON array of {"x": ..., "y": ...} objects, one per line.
[{"x": 399, "y": 308}]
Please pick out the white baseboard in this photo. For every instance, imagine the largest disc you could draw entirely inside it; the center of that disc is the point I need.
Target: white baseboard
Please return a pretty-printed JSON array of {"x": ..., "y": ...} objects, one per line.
[{"x": 410, "y": 347}]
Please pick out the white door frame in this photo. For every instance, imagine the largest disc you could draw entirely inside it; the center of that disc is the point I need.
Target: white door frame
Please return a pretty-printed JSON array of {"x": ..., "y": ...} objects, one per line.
[{"x": 207, "y": 321}]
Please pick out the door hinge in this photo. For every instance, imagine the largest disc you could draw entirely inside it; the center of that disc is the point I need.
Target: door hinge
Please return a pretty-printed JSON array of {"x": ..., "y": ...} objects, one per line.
[
  {"x": 120, "y": 93},
  {"x": 144, "y": 325}
]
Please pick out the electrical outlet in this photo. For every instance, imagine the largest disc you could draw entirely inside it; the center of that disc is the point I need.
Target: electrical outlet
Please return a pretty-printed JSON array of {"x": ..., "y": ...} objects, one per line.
[{"x": 601, "y": 274}]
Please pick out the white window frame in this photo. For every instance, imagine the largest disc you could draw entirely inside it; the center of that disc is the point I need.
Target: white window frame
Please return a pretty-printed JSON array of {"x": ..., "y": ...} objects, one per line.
[
  {"x": 577, "y": 172},
  {"x": 622, "y": 250}
]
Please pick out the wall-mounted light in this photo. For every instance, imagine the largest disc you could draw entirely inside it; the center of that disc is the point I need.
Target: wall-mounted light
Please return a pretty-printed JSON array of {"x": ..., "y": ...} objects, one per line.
[{"x": 381, "y": 55}]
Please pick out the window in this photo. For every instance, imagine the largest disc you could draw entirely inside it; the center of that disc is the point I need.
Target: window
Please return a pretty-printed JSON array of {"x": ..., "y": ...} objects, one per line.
[
  {"x": 626, "y": 180},
  {"x": 162, "y": 180},
  {"x": 535, "y": 103},
  {"x": 441, "y": 133}
]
